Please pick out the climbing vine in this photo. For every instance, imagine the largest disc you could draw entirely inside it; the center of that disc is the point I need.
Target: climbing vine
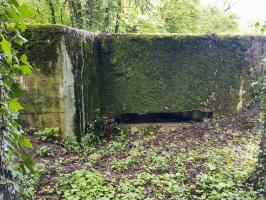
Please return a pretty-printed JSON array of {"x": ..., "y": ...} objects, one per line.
[
  {"x": 259, "y": 177},
  {"x": 14, "y": 159}
]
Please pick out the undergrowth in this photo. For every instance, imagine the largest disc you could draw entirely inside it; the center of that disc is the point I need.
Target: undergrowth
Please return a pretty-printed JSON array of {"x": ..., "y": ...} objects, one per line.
[
  {"x": 186, "y": 162},
  {"x": 166, "y": 171}
]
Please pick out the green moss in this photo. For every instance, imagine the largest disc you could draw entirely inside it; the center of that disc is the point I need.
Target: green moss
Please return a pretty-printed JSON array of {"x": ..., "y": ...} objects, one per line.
[
  {"x": 41, "y": 38},
  {"x": 145, "y": 73}
]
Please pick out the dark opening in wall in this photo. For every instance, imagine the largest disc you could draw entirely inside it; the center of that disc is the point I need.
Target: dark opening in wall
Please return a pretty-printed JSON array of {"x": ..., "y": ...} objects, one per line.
[{"x": 164, "y": 117}]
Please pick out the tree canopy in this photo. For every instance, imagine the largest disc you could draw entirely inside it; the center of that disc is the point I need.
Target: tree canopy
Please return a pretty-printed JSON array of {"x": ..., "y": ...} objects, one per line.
[{"x": 178, "y": 16}]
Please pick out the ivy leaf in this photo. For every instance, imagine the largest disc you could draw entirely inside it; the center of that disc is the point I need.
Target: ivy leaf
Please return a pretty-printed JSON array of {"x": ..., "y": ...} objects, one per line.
[
  {"x": 6, "y": 46},
  {"x": 25, "y": 11},
  {"x": 14, "y": 105},
  {"x": 26, "y": 69},
  {"x": 28, "y": 161},
  {"x": 26, "y": 142},
  {"x": 23, "y": 27},
  {"x": 14, "y": 2},
  {"x": 24, "y": 59}
]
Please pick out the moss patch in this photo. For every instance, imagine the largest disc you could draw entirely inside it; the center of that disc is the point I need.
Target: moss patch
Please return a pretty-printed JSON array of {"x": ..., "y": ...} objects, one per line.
[{"x": 173, "y": 73}]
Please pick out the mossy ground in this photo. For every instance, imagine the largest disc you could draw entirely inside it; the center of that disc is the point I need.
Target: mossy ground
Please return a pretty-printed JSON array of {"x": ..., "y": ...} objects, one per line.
[{"x": 170, "y": 161}]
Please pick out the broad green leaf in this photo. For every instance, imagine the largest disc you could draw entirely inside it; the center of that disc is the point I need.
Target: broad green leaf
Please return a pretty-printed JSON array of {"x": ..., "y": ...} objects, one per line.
[
  {"x": 26, "y": 142},
  {"x": 6, "y": 46},
  {"x": 26, "y": 69},
  {"x": 25, "y": 11},
  {"x": 28, "y": 161},
  {"x": 13, "y": 14},
  {"x": 24, "y": 59},
  {"x": 22, "y": 27},
  {"x": 14, "y": 105},
  {"x": 14, "y": 2}
]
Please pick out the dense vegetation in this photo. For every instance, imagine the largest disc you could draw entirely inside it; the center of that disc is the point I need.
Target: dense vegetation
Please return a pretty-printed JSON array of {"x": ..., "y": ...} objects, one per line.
[
  {"x": 190, "y": 161},
  {"x": 14, "y": 159},
  {"x": 176, "y": 16}
]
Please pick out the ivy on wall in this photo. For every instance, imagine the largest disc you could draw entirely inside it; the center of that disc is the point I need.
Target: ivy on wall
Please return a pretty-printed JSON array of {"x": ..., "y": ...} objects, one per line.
[{"x": 15, "y": 162}]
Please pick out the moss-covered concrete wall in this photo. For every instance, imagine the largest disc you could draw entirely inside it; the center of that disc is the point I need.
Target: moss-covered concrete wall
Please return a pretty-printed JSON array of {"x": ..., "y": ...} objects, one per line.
[
  {"x": 154, "y": 73},
  {"x": 76, "y": 72},
  {"x": 63, "y": 88}
]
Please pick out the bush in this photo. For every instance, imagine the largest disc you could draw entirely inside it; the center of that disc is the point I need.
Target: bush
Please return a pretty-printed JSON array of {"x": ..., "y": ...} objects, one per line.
[
  {"x": 45, "y": 151},
  {"x": 101, "y": 127},
  {"x": 49, "y": 134},
  {"x": 83, "y": 184}
]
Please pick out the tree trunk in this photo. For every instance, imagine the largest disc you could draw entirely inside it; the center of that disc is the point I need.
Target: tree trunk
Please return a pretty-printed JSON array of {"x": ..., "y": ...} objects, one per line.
[
  {"x": 89, "y": 13},
  {"x": 52, "y": 11},
  {"x": 106, "y": 23},
  {"x": 75, "y": 8},
  {"x": 78, "y": 14},
  {"x": 71, "y": 10},
  {"x": 118, "y": 16},
  {"x": 62, "y": 9}
]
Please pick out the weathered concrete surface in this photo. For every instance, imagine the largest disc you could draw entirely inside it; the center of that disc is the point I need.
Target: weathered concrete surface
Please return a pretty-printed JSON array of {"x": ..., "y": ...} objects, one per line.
[{"x": 76, "y": 72}]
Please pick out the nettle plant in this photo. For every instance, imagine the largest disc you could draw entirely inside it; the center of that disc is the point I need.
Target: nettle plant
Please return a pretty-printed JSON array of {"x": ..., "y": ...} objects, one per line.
[{"x": 14, "y": 159}]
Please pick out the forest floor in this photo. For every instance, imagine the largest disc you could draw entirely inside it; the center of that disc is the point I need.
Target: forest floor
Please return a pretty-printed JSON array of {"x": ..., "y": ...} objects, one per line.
[{"x": 209, "y": 160}]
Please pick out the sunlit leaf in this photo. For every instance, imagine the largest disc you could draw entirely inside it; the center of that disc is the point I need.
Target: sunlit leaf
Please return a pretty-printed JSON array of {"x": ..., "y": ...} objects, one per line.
[
  {"x": 6, "y": 46},
  {"x": 26, "y": 142},
  {"x": 24, "y": 59},
  {"x": 26, "y": 69},
  {"x": 22, "y": 27},
  {"x": 25, "y": 11},
  {"x": 14, "y": 105}
]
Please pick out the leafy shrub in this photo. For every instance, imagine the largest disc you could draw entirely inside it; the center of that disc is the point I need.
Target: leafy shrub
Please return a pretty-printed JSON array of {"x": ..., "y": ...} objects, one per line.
[
  {"x": 83, "y": 184},
  {"x": 92, "y": 159},
  {"x": 101, "y": 127},
  {"x": 45, "y": 151},
  {"x": 115, "y": 148},
  {"x": 71, "y": 145},
  {"x": 120, "y": 165},
  {"x": 133, "y": 159},
  {"x": 31, "y": 182},
  {"x": 49, "y": 134},
  {"x": 222, "y": 185}
]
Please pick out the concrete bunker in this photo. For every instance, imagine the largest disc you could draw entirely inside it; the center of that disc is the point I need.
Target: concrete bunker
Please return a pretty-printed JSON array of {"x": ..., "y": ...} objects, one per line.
[{"x": 77, "y": 72}]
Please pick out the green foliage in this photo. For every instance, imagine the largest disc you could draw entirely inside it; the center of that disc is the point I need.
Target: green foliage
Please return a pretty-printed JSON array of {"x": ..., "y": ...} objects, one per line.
[
  {"x": 45, "y": 151},
  {"x": 161, "y": 168},
  {"x": 224, "y": 180},
  {"x": 49, "y": 134},
  {"x": 86, "y": 185},
  {"x": 15, "y": 161},
  {"x": 213, "y": 19},
  {"x": 115, "y": 148},
  {"x": 99, "y": 128},
  {"x": 178, "y": 16},
  {"x": 31, "y": 182},
  {"x": 259, "y": 92},
  {"x": 72, "y": 145}
]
